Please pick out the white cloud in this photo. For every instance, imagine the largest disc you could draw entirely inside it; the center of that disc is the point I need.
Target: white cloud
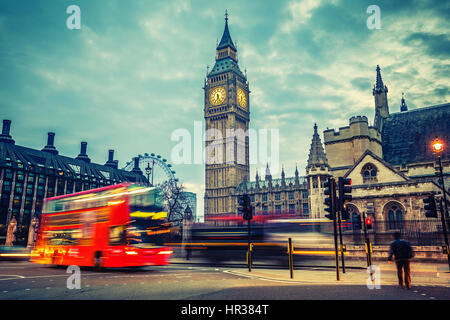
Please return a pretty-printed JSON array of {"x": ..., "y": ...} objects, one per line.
[{"x": 300, "y": 12}]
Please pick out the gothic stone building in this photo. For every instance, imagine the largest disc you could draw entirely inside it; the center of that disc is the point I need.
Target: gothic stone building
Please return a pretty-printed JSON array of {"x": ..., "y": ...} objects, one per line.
[
  {"x": 390, "y": 163},
  {"x": 285, "y": 196},
  {"x": 28, "y": 176}
]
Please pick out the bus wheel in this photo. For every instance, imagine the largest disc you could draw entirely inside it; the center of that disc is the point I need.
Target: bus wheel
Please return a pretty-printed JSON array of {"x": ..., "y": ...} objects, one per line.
[{"x": 98, "y": 260}]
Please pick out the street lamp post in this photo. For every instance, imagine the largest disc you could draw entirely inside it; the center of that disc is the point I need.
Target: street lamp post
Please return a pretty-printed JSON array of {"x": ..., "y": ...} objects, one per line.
[
  {"x": 149, "y": 171},
  {"x": 438, "y": 147}
]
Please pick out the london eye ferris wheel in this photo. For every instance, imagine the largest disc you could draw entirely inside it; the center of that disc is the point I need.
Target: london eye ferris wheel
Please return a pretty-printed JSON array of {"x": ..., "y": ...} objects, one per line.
[{"x": 155, "y": 168}]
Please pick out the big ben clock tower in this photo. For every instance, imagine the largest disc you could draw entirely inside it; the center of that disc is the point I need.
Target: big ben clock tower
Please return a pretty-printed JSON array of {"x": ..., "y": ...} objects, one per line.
[{"x": 227, "y": 116}]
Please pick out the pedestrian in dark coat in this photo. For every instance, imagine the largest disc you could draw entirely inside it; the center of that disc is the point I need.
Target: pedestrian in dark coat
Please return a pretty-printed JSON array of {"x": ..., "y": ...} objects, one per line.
[{"x": 403, "y": 252}]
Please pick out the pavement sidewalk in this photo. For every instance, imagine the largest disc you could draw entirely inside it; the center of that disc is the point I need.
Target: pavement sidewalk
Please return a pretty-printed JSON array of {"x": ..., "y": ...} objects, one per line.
[
  {"x": 424, "y": 274},
  {"x": 385, "y": 275}
]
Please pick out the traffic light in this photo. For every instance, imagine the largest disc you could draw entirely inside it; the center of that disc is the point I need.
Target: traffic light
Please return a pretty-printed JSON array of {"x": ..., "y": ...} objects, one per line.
[
  {"x": 245, "y": 207},
  {"x": 241, "y": 204},
  {"x": 248, "y": 211},
  {"x": 430, "y": 207},
  {"x": 369, "y": 223},
  {"x": 344, "y": 192},
  {"x": 330, "y": 191}
]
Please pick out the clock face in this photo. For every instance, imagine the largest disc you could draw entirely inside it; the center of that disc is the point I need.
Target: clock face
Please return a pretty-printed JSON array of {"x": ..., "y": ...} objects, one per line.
[
  {"x": 242, "y": 98},
  {"x": 217, "y": 96}
]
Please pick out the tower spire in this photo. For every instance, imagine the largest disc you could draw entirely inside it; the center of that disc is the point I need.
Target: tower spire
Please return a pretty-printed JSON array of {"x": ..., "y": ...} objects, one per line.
[
  {"x": 226, "y": 37},
  {"x": 380, "y": 91},
  {"x": 316, "y": 156},
  {"x": 379, "y": 83}
]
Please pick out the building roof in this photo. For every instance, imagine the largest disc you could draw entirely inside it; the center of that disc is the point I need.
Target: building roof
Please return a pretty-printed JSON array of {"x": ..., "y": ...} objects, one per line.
[
  {"x": 225, "y": 65},
  {"x": 226, "y": 37},
  {"x": 276, "y": 183},
  {"x": 383, "y": 162},
  {"x": 407, "y": 135},
  {"x": 15, "y": 156}
]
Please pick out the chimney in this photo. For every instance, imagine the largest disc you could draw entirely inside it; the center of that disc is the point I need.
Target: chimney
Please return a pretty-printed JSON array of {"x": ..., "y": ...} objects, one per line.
[
  {"x": 5, "y": 136},
  {"x": 111, "y": 162},
  {"x": 136, "y": 168},
  {"x": 83, "y": 156},
  {"x": 50, "y": 147}
]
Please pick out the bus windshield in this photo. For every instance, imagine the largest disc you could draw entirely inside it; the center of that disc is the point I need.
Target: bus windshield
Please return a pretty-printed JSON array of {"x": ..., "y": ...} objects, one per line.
[
  {"x": 147, "y": 216},
  {"x": 147, "y": 232}
]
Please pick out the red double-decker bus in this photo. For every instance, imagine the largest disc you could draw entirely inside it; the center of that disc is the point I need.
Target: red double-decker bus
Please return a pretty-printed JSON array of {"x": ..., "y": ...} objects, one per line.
[{"x": 115, "y": 226}]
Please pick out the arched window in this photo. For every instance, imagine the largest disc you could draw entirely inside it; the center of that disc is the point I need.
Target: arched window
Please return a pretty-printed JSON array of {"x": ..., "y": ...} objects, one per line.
[
  {"x": 395, "y": 212},
  {"x": 369, "y": 173}
]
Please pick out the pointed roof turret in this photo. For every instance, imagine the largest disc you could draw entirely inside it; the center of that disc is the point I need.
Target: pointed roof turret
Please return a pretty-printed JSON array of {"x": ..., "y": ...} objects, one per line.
[
  {"x": 379, "y": 85},
  {"x": 226, "y": 37},
  {"x": 268, "y": 175},
  {"x": 316, "y": 153},
  {"x": 257, "y": 180},
  {"x": 226, "y": 55},
  {"x": 297, "y": 180},
  {"x": 403, "y": 106}
]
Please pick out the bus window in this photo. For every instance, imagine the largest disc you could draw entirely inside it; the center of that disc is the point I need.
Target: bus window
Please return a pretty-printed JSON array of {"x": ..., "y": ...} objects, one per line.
[
  {"x": 58, "y": 206},
  {"x": 147, "y": 232},
  {"x": 63, "y": 237},
  {"x": 117, "y": 235},
  {"x": 148, "y": 200}
]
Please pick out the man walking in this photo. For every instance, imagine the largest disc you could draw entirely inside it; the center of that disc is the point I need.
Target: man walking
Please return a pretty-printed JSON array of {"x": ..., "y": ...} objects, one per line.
[{"x": 403, "y": 252}]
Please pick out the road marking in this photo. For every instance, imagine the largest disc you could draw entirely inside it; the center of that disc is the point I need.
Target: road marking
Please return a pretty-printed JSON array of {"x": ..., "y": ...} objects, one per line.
[{"x": 11, "y": 275}]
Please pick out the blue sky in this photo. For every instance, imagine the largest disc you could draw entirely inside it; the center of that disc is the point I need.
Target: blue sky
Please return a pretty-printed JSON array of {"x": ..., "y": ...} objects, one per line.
[{"x": 134, "y": 72}]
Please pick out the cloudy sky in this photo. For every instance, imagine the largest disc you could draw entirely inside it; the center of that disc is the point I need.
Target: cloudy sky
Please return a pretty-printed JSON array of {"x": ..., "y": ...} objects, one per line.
[{"x": 134, "y": 72}]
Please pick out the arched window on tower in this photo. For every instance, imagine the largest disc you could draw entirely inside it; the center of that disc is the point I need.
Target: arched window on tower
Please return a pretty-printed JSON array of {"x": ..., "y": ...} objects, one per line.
[{"x": 369, "y": 173}]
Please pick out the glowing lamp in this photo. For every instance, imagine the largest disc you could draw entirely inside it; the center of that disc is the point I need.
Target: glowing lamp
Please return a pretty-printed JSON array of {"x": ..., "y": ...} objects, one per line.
[{"x": 437, "y": 146}]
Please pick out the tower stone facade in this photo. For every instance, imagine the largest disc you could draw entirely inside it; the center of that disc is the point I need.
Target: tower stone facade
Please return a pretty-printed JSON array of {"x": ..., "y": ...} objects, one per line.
[
  {"x": 227, "y": 116},
  {"x": 347, "y": 145},
  {"x": 317, "y": 172}
]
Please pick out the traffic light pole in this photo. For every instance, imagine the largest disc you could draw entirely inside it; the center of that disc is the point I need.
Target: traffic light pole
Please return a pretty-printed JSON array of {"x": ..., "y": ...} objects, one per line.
[
  {"x": 368, "y": 246},
  {"x": 334, "y": 212},
  {"x": 340, "y": 240},
  {"x": 249, "y": 250},
  {"x": 444, "y": 228},
  {"x": 443, "y": 188},
  {"x": 344, "y": 196}
]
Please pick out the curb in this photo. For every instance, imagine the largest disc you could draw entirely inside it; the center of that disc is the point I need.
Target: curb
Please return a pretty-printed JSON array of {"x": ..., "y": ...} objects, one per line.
[{"x": 357, "y": 279}]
